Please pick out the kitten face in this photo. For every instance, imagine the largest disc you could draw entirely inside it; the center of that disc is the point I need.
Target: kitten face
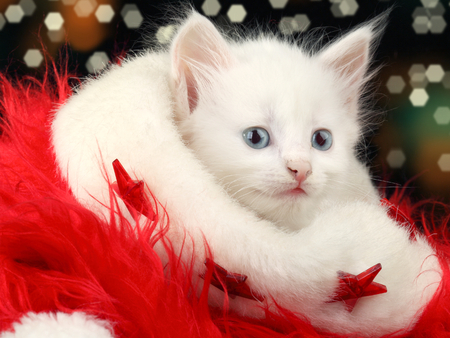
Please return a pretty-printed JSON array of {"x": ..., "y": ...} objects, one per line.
[{"x": 291, "y": 96}]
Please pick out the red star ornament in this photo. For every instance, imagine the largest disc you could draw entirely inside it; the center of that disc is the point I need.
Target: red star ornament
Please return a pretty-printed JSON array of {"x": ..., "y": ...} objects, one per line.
[
  {"x": 234, "y": 283},
  {"x": 132, "y": 193},
  {"x": 352, "y": 287}
]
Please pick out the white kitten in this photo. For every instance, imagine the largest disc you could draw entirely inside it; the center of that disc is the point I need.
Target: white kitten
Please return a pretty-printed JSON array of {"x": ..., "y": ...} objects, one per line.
[
  {"x": 129, "y": 113},
  {"x": 277, "y": 126}
]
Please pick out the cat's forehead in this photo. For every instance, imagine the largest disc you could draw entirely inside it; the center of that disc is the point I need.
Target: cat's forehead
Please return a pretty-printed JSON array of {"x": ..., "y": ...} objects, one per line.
[
  {"x": 281, "y": 80},
  {"x": 276, "y": 66}
]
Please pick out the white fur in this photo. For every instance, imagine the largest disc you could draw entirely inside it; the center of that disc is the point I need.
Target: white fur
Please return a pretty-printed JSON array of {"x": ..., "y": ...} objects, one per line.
[
  {"x": 290, "y": 94},
  {"x": 129, "y": 113},
  {"x": 59, "y": 325}
]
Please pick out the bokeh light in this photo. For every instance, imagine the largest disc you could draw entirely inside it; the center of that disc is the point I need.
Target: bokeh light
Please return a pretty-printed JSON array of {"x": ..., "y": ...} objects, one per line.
[
  {"x": 97, "y": 62},
  {"x": 28, "y": 7},
  {"x": 84, "y": 8},
  {"x": 237, "y": 13},
  {"x": 211, "y": 7},
  {"x": 165, "y": 33},
  {"x": 104, "y": 13},
  {"x": 395, "y": 84},
  {"x": 14, "y": 14},
  {"x": 278, "y": 3},
  {"x": 33, "y": 58},
  {"x": 132, "y": 16},
  {"x": 435, "y": 73},
  {"x": 442, "y": 115},
  {"x": 54, "y": 21},
  {"x": 444, "y": 162},
  {"x": 419, "y": 97}
]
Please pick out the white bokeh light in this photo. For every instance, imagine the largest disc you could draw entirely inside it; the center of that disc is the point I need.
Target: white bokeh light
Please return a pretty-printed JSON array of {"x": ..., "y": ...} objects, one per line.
[
  {"x": 97, "y": 62},
  {"x": 14, "y": 14},
  {"x": 396, "y": 158},
  {"x": 33, "y": 58},
  {"x": 395, "y": 84},
  {"x": 211, "y": 7},
  {"x": 104, "y": 13},
  {"x": 419, "y": 97},
  {"x": 442, "y": 115},
  {"x": 444, "y": 162},
  {"x": 54, "y": 21},
  {"x": 237, "y": 13},
  {"x": 132, "y": 16}
]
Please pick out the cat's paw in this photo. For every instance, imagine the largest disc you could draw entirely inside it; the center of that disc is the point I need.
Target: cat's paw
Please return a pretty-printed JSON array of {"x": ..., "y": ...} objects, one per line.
[{"x": 398, "y": 271}]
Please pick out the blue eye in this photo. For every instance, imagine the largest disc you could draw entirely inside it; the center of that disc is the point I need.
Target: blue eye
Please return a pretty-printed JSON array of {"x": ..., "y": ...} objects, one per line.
[
  {"x": 256, "y": 137},
  {"x": 322, "y": 140}
]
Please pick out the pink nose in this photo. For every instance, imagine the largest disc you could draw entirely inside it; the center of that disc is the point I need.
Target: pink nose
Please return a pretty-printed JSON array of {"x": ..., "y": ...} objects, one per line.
[{"x": 300, "y": 170}]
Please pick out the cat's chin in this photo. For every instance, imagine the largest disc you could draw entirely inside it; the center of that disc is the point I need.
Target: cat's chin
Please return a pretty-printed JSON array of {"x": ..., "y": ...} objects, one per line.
[{"x": 294, "y": 192}]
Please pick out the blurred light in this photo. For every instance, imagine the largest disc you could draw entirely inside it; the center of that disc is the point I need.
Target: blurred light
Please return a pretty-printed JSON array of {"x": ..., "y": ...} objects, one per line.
[
  {"x": 335, "y": 10},
  {"x": 446, "y": 80},
  {"x": 69, "y": 2},
  {"x": 237, "y": 13},
  {"x": 437, "y": 24},
  {"x": 104, "y": 13},
  {"x": 131, "y": 16},
  {"x": 14, "y": 13},
  {"x": 56, "y": 35},
  {"x": 420, "y": 11},
  {"x": 301, "y": 23},
  {"x": 396, "y": 158},
  {"x": 419, "y": 97},
  {"x": 437, "y": 10},
  {"x": 33, "y": 58},
  {"x": 285, "y": 25},
  {"x": 290, "y": 25},
  {"x": 341, "y": 8},
  {"x": 429, "y": 18},
  {"x": 442, "y": 115},
  {"x": 211, "y": 7},
  {"x": 421, "y": 24},
  {"x": 2, "y": 21},
  {"x": 84, "y": 8},
  {"x": 444, "y": 162},
  {"x": 97, "y": 62},
  {"x": 54, "y": 21},
  {"x": 28, "y": 7},
  {"x": 418, "y": 79},
  {"x": 348, "y": 7},
  {"x": 435, "y": 73},
  {"x": 278, "y": 3},
  {"x": 165, "y": 33},
  {"x": 429, "y": 3},
  {"x": 395, "y": 84}
]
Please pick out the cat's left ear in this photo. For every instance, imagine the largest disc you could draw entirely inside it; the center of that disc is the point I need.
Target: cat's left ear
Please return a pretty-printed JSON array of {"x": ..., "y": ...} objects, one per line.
[
  {"x": 349, "y": 57},
  {"x": 198, "y": 53}
]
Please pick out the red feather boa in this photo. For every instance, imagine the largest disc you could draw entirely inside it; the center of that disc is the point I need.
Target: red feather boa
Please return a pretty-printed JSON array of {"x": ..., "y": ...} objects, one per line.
[{"x": 56, "y": 255}]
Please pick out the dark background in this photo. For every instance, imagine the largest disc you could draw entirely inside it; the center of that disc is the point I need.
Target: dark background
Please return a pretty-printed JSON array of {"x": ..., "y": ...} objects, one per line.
[{"x": 414, "y": 140}]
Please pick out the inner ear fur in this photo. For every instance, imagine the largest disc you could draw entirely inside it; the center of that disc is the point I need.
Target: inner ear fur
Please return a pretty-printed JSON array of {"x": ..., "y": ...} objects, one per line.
[
  {"x": 197, "y": 53},
  {"x": 350, "y": 56}
]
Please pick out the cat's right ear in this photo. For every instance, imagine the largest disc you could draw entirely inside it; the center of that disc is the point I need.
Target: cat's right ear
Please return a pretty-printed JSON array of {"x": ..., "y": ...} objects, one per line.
[
  {"x": 197, "y": 53},
  {"x": 349, "y": 57}
]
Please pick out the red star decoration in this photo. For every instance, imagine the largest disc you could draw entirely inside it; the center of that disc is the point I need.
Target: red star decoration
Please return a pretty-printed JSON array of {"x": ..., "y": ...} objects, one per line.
[
  {"x": 234, "y": 283},
  {"x": 132, "y": 193},
  {"x": 352, "y": 287}
]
